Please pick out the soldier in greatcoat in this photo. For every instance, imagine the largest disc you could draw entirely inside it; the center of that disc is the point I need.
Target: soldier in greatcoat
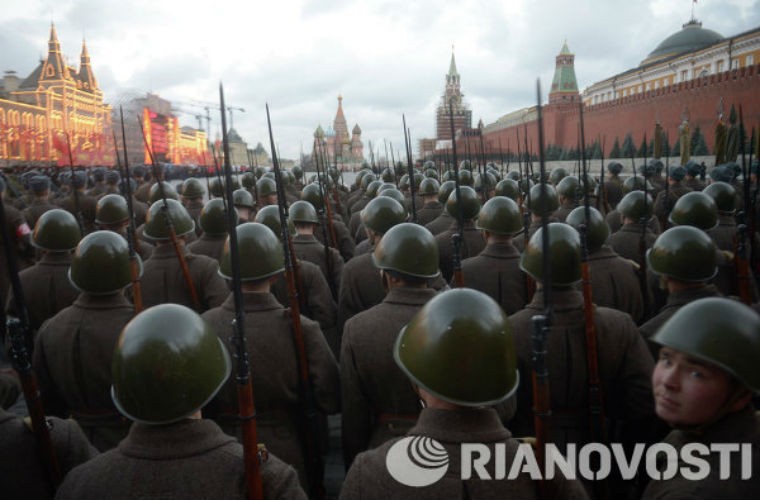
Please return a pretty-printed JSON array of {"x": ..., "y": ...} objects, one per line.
[
  {"x": 112, "y": 214},
  {"x": 39, "y": 185},
  {"x": 192, "y": 195},
  {"x": 80, "y": 204},
  {"x": 472, "y": 242},
  {"x": 431, "y": 207},
  {"x": 444, "y": 219},
  {"x": 274, "y": 360},
  {"x": 308, "y": 248},
  {"x": 213, "y": 223},
  {"x": 170, "y": 450}
]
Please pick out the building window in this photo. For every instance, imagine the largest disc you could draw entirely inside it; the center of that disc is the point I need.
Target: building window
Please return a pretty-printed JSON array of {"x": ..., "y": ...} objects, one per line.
[
  {"x": 638, "y": 90},
  {"x": 656, "y": 84},
  {"x": 734, "y": 63},
  {"x": 719, "y": 66},
  {"x": 703, "y": 74},
  {"x": 749, "y": 60},
  {"x": 647, "y": 87},
  {"x": 684, "y": 75}
]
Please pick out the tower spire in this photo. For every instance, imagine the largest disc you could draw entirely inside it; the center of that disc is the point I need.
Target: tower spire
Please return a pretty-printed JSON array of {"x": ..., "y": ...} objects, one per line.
[
  {"x": 54, "y": 68},
  {"x": 564, "y": 84},
  {"x": 86, "y": 76},
  {"x": 453, "y": 64}
]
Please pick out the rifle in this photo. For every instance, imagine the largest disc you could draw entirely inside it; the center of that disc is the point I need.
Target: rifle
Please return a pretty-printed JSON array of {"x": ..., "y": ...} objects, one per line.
[
  {"x": 246, "y": 410},
  {"x": 643, "y": 252},
  {"x": 411, "y": 172},
  {"x": 250, "y": 167},
  {"x": 741, "y": 260},
  {"x": 219, "y": 176},
  {"x": 542, "y": 322},
  {"x": 332, "y": 239},
  {"x": 77, "y": 208},
  {"x": 134, "y": 262},
  {"x": 595, "y": 393},
  {"x": 456, "y": 238},
  {"x": 309, "y": 415},
  {"x": 20, "y": 335},
  {"x": 483, "y": 186},
  {"x": 603, "y": 191},
  {"x": 170, "y": 224}
]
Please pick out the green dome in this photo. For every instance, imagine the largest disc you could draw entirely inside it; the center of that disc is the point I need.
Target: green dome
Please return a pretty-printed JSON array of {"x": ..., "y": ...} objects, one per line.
[{"x": 692, "y": 37}]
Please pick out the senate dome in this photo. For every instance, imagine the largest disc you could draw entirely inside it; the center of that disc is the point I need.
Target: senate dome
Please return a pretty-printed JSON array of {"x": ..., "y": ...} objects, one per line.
[{"x": 691, "y": 37}]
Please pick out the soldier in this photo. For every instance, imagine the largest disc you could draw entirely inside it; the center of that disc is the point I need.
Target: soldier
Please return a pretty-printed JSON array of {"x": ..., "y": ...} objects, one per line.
[
  {"x": 444, "y": 220},
  {"x": 455, "y": 325},
  {"x": 245, "y": 205},
  {"x": 46, "y": 286},
  {"x": 369, "y": 195},
  {"x": 495, "y": 270},
  {"x": 693, "y": 172},
  {"x": 361, "y": 286},
  {"x": 167, "y": 282},
  {"x": 633, "y": 208},
  {"x": 472, "y": 242},
  {"x": 213, "y": 222},
  {"x": 146, "y": 182},
  {"x": 538, "y": 203},
  {"x": 112, "y": 214},
  {"x": 270, "y": 348},
  {"x": 19, "y": 232},
  {"x": 192, "y": 199},
  {"x": 378, "y": 402},
  {"x": 72, "y": 354},
  {"x": 614, "y": 280},
  {"x": 39, "y": 185},
  {"x": 724, "y": 196},
  {"x": 623, "y": 360},
  {"x": 162, "y": 389},
  {"x": 80, "y": 204},
  {"x": 684, "y": 258},
  {"x": 345, "y": 243},
  {"x": 111, "y": 185},
  {"x": 431, "y": 207},
  {"x": 662, "y": 206},
  {"x": 139, "y": 209},
  {"x": 613, "y": 185},
  {"x": 267, "y": 191},
  {"x": 510, "y": 189},
  {"x": 99, "y": 176},
  {"x": 569, "y": 192},
  {"x": 308, "y": 248},
  {"x": 557, "y": 174},
  {"x": 703, "y": 384},
  {"x": 394, "y": 212},
  {"x": 614, "y": 217}
]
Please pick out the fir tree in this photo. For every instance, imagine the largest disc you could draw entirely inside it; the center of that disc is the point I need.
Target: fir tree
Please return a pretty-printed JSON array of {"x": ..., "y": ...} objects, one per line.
[
  {"x": 629, "y": 149},
  {"x": 615, "y": 152}
]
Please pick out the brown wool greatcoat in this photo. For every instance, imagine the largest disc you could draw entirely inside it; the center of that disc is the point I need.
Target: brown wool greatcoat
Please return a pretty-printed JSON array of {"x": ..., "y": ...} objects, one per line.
[
  {"x": 739, "y": 427},
  {"x": 87, "y": 207},
  {"x": 46, "y": 287},
  {"x": 440, "y": 223},
  {"x": 674, "y": 193},
  {"x": 164, "y": 282},
  {"x": 38, "y": 207},
  {"x": 187, "y": 459},
  {"x": 274, "y": 372},
  {"x": 16, "y": 223},
  {"x": 496, "y": 272},
  {"x": 21, "y": 473},
  {"x": 625, "y": 242},
  {"x": 72, "y": 359},
  {"x": 429, "y": 212},
  {"x": 615, "y": 283},
  {"x": 724, "y": 233},
  {"x": 208, "y": 245},
  {"x": 369, "y": 477},
  {"x": 346, "y": 243},
  {"x": 564, "y": 210},
  {"x": 625, "y": 368},
  {"x": 378, "y": 400},
  {"x": 308, "y": 248},
  {"x": 472, "y": 244}
]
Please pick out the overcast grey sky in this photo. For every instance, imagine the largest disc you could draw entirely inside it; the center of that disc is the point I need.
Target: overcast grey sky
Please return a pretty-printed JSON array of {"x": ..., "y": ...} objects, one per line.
[{"x": 385, "y": 57}]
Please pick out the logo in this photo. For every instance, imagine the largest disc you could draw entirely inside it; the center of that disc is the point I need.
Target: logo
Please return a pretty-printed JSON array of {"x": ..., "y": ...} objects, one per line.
[{"x": 417, "y": 461}]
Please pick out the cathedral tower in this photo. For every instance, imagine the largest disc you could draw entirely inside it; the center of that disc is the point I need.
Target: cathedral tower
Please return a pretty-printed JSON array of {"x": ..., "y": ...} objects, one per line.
[{"x": 564, "y": 85}]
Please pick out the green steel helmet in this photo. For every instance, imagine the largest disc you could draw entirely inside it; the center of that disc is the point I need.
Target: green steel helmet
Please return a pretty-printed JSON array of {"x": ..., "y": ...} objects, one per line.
[
  {"x": 297, "y": 172},
  {"x": 500, "y": 215},
  {"x": 465, "y": 178},
  {"x": 445, "y": 190},
  {"x": 486, "y": 181},
  {"x": 589, "y": 181},
  {"x": 111, "y": 209},
  {"x": 684, "y": 253},
  {"x": 431, "y": 172},
  {"x": 156, "y": 226},
  {"x": 677, "y": 173},
  {"x": 508, "y": 188},
  {"x": 367, "y": 179},
  {"x": 359, "y": 176},
  {"x": 720, "y": 331},
  {"x": 459, "y": 348},
  {"x": 408, "y": 249},
  {"x": 248, "y": 180},
  {"x": 167, "y": 365},
  {"x": 259, "y": 172},
  {"x": 428, "y": 165},
  {"x": 387, "y": 175},
  {"x": 470, "y": 203},
  {"x": 56, "y": 231},
  {"x": 448, "y": 175},
  {"x": 313, "y": 195},
  {"x": 382, "y": 213},
  {"x": 636, "y": 183},
  {"x": 614, "y": 167},
  {"x": 514, "y": 175},
  {"x": 403, "y": 182},
  {"x": 693, "y": 168},
  {"x": 636, "y": 205},
  {"x": 540, "y": 203},
  {"x": 695, "y": 209},
  {"x": 270, "y": 217},
  {"x": 266, "y": 186},
  {"x": 418, "y": 178},
  {"x": 465, "y": 165},
  {"x": 213, "y": 218},
  {"x": 395, "y": 194},
  {"x": 216, "y": 188},
  {"x": 193, "y": 188},
  {"x": 302, "y": 212},
  {"x": 429, "y": 187},
  {"x": 288, "y": 178},
  {"x": 568, "y": 187},
  {"x": 384, "y": 186},
  {"x": 724, "y": 195},
  {"x": 333, "y": 173},
  {"x": 260, "y": 253},
  {"x": 101, "y": 264},
  {"x": 372, "y": 188},
  {"x": 557, "y": 175},
  {"x": 242, "y": 198},
  {"x": 525, "y": 185},
  {"x": 564, "y": 255},
  {"x": 597, "y": 229},
  {"x": 155, "y": 192}
]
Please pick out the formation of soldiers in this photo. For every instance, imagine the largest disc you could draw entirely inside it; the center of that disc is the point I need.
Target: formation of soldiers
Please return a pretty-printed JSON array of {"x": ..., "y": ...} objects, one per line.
[{"x": 414, "y": 322}]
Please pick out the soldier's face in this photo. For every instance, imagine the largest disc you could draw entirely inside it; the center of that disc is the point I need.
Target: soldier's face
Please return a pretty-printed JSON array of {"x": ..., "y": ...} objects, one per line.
[{"x": 688, "y": 391}]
